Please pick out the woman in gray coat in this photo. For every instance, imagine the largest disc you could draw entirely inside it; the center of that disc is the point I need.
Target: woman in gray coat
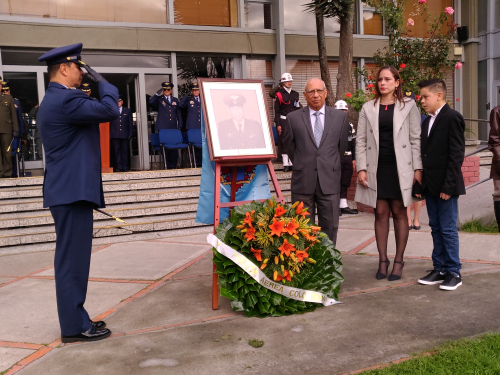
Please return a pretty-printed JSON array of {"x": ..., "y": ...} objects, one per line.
[{"x": 388, "y": 163}]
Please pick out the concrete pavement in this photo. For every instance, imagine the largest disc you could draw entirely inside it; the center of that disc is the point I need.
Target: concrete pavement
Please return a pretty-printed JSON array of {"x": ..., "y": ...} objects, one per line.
[{"x": 156, "y": 298}]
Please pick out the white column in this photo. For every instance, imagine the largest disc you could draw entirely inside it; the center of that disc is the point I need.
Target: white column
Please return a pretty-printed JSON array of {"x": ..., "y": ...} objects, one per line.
[
  {"x": 244, "y": 68},
  {"x": 173, "y": 64},
  {"x": 279, "y": 25},
  {"x": 170, "y": 12},
  {"x": 241, "y": 13}
]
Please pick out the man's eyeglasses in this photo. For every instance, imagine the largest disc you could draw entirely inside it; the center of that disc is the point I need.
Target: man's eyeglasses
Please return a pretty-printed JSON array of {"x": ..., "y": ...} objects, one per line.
[{"x": 312, "y": 92}]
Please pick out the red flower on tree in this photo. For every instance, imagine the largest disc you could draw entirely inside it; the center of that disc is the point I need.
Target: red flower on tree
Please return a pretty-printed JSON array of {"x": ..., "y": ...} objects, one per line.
[
  {"x": 276, "y": 227},
  {"x": 348, "y": 95},
  {"x": 280, "y": 211},
  {"x": 249, "y": 235},
  {"x": 286, "y": 248},
  {"x": 369, "y": 86},
  {"x": 256, "y": 254},
  {"x": 402, "y": 66},
  {"x": 417, "y": 97},
  {"x": 371, "y": 77}
]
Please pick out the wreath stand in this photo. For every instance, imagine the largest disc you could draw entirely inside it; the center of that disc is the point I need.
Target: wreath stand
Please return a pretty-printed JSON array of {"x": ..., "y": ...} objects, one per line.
[{"x": 236, "y": 162}]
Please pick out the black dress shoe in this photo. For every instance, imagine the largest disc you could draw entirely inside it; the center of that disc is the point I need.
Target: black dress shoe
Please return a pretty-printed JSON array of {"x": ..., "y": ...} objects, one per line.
[
  {"x": 91, "y": 335},
  {"x": 98, "y": 325},
  {"x": 348, "y": 211}
]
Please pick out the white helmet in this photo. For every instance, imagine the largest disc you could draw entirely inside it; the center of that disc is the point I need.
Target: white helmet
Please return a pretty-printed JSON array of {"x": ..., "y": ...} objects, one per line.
[
  {"x": 341, "y": 105},
  {"x": 286, "y": 77}
]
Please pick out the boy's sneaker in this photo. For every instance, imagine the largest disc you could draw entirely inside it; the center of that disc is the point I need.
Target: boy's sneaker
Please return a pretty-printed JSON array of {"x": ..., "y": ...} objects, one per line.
[
  {"x": 452, "y": 281},
  {"x": 434, "y": 277}
]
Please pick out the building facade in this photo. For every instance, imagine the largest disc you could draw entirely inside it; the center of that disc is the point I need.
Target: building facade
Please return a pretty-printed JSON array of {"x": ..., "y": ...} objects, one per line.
[{"x": 137, "y": 45}]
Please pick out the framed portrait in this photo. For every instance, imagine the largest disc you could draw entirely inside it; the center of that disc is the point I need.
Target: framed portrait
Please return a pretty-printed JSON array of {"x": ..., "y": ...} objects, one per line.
[{"x": 236, "y": 118}]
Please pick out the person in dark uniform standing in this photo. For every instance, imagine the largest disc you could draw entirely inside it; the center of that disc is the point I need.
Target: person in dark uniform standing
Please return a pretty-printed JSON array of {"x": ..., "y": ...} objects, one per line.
[
  {"x": 9, "y": 129},
  {"x": 347, "y": 164},
  {"x": 20, "y": 122},
  {"x": 239, "y": 132},
  {"x": 287, "y": 100},
  {"x": 69, "y": 127},
  {"x": 169, "y": 116},
  {"x": 192, "y": 103},
  {"x": 120, "y": 132}
]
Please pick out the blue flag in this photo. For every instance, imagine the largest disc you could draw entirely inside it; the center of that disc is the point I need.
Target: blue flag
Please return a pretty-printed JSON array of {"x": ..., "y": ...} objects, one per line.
[{"x": 252, "y": 184}]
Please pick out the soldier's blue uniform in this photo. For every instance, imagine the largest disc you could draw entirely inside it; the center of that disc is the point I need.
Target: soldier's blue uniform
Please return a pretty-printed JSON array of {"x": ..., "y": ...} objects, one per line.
[
  {"x": 169, "y": 117},
  {"x": 120, "y": 132},
  {"x": 68, "y": 120},
  {"x": 193, "y": 121}
]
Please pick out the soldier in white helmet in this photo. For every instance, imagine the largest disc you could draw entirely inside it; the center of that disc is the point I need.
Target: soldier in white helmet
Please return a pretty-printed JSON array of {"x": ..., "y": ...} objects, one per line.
[
  {"x": 348, "y": 165},
  {"x": 287, "y": 100}
]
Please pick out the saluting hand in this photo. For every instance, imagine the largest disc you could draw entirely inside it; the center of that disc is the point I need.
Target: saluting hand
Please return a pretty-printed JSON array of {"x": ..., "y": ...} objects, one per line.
[
  {"x": 93, "y": 75},
  {"x": 160, "y": 92}
]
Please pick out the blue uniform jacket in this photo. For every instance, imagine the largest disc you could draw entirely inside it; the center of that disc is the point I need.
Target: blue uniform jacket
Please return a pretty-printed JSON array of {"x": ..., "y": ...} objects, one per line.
[
  {"x": 193, "y": 120},
  {"x": 68, "y": 121},
  {"x": 169, "y": 115},
  {"x": 19, "y": 113},
  {"x": 123, "y": 126}
]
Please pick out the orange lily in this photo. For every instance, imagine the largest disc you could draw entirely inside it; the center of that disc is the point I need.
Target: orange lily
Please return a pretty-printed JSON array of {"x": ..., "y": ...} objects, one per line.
[
  {"x": 300, "y": 210},
  {"x": 256, "y": 254},
  {"x": 301, "y": 254},
  {"x": 248, "y": 218},
  {"x": 315, "y": 228},
  {"x": 286, "y": 276},
  {"x": 309, "y": 237},
  {"x": 286, "y": 248},
  {"x": 280, "y": 211},
  {"x": 291, "y": 228},
  {"x": 250, "y": 234},
  {"x": 276, "y": 227}
]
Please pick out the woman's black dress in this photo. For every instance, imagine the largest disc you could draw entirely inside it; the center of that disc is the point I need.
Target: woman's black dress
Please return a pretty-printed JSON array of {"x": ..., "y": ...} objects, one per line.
[{"x": 387, "y": 170}]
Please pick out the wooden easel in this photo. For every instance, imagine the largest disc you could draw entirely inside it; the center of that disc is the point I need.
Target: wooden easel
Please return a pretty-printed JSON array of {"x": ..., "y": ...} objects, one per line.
[{"x": 236, "y": 162}]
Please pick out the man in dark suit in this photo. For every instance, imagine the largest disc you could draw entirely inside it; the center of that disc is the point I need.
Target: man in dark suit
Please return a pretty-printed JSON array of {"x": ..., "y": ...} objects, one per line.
[
  {"x": 192, "y": 104},
  {"x": 169, "y": 116},
  {"x": 120, "y": 132},
  {"x": 68, "y": 120},
  {"x": 239, "y": 132},
  {"x": 316, "y": 139},
  {"x": 443, "y": 148}
]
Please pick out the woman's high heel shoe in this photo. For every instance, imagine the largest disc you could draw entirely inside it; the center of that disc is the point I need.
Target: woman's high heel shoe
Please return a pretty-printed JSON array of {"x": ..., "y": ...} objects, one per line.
[
  {"x": 393, "y": 277},
  {"x": 381, "y": 275}
]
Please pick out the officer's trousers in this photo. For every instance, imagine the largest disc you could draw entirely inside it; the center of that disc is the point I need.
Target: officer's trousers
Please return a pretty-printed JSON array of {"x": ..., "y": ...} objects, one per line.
[
  {"x": 5, "y": 156},
  {"x": 72, "y": 264},
  {"x": 120, "y": 147}
]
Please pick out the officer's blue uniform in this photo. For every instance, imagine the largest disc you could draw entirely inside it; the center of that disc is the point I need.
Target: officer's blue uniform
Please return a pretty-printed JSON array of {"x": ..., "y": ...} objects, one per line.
[
  {"x": 193, "y": 121},
  {"x": 169, "y": 117},
  {"x": 68, "y": 121},
  {"x": 120, "y": 131}
]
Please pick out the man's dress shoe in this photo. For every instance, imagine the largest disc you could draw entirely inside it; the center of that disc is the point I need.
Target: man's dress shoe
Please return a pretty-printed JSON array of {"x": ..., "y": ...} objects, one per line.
[
  {"x": 91, "y": 335},
  {"x": 348, "y": 211},
  {"x": 98, "y": 325}
]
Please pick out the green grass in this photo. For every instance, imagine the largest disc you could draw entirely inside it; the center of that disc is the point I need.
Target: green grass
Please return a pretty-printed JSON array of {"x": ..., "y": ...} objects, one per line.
[
  {"x": 477, "y": 226},
  {"x": 480, "y": 356}
]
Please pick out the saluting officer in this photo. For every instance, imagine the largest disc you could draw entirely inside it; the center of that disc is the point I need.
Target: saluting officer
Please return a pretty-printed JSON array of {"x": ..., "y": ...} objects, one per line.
[
  {"x": 20, "y": 122},
  {"x": 287, "y": 100},
  {"x": 347, "y": 164},
  {"x": 169, "y": 116},
  {"x": 69, "y": 127},
  {"x": 193, "y": 104},
  {"x": 9, "y": 129},
  {"x": 120, "y": 132}
]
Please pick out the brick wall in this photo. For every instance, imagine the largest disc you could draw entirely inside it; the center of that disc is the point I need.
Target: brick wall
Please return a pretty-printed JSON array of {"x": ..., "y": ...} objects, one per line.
[{"x": 470, "y": 171}]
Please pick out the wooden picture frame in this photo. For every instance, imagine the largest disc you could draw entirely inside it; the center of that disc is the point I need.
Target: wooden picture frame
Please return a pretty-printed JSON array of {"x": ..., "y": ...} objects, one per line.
[{"x": 237, "y": 122}]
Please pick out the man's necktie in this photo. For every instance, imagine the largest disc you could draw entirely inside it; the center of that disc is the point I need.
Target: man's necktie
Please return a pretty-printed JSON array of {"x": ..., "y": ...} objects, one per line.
[{"x": 318, "y": 129}]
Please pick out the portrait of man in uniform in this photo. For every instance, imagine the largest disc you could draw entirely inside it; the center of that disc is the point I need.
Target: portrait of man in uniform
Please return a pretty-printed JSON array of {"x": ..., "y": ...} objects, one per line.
[{"x": 239, "y": 132}]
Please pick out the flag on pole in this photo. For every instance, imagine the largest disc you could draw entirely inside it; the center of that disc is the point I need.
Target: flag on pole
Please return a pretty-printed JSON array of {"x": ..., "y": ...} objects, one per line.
[{"x": 252, "y": 184}]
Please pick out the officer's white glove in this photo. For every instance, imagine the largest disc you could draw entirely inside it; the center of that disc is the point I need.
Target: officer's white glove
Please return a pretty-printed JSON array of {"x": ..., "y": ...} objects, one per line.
[{"x": 160, "y": 92}]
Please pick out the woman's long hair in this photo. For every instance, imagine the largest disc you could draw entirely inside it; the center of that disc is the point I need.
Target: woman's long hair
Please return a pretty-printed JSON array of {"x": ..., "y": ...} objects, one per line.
[{"x": 398, "y": 93}]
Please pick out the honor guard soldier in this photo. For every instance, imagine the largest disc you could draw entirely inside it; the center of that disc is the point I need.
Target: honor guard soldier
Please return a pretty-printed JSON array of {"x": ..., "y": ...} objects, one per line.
[
  {"x": 120, "y": 132},
  {"x": 192, "y": 103},
  {"x": 69, "y": 127},
  {"x": 169, "y": 116},
  {"x": 287, "y": 100},
  {"x": 20, "y": 122},
  {"x": 9, "y": 129},
  {"x": 348, "y": 164}
]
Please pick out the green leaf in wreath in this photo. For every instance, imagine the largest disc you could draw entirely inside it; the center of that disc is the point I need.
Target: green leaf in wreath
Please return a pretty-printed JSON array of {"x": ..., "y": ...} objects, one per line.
[
  {"x": 251, "y": 299},
  {"x": 275, "y": 299},
  {"x": 231, "y": 294}
]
